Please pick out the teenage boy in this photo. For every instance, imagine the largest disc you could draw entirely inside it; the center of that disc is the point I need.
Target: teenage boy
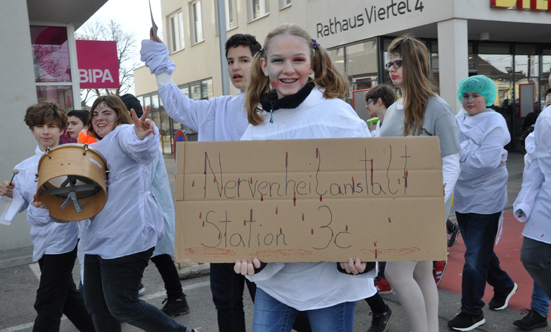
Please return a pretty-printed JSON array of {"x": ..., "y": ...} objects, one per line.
[
  {"x": 76, "y": 122},
  {"x": 217, "y": 119},
  {"x": 55, "y": 243},
  {"x": 378, "y": 100}
]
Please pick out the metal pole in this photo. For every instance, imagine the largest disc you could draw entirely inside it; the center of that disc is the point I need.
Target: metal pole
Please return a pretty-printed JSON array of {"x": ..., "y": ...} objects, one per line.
[{"x": 222, "y": 36}]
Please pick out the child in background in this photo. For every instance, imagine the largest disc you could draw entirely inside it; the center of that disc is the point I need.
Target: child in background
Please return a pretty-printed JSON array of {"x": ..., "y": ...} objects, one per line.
[
  {"x": 301, "y": 108},
  {"x": 378, "y": 100},
  {"x": 479, "y": 199},
  {"x": 76, "y": 122},
  {"x": 55, "y": 243}
]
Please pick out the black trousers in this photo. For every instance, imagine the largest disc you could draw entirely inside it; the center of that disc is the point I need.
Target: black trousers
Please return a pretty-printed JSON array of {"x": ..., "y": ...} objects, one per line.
[
  {"x": 58, "y": 295},
  {"x": 169, "y": 273}
]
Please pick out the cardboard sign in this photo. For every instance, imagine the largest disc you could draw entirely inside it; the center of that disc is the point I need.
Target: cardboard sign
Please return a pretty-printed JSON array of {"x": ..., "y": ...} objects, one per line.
[
  {"x": 379, "y": 199},
  {"x": 98, "y": 64}
]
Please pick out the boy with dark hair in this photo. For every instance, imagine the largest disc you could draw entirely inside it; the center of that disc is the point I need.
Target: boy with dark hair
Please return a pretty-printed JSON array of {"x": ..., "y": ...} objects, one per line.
[
  {"x": 77, "y": 121},
  {"x": 217, "y": 119},
  {"x": 55, "y": 243},
  {"x": 378, "y": 99}
]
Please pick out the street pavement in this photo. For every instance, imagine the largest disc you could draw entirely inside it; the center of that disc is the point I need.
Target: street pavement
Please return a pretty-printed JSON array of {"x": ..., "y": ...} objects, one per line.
[{"x": 18, "y": 286}]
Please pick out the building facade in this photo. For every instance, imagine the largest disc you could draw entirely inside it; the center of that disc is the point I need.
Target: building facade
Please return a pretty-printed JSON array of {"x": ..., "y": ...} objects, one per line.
[
  {"x": 507, "y": 40},
  {"x": 38, "y": 63}
]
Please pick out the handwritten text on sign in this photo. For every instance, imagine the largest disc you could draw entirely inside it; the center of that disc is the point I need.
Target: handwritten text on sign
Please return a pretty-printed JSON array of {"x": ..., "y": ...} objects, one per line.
[{"x": 310, "y": 200}]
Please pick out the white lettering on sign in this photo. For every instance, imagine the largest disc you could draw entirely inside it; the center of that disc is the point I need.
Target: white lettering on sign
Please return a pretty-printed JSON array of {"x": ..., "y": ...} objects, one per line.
[
  {"x": 371, "y": 14},
  {"x": 95, "y": 75}
]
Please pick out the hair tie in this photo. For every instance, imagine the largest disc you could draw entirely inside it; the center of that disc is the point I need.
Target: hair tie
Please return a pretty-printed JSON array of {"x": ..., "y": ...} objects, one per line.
[
  {"x": 405, "y": 39},
  {"x": 262, "y": 51},
  {"x": 315, "y": 44}
]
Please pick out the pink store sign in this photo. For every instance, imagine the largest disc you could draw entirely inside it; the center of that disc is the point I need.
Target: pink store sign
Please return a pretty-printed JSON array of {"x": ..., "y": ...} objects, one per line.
[{"x": 98, "y": 64}]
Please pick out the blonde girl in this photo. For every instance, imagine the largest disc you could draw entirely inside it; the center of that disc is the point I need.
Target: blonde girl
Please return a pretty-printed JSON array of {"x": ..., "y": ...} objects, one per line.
[{"x": 284, "y": 102}]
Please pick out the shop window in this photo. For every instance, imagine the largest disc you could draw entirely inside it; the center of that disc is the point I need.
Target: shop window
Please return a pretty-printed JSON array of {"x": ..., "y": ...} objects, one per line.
[
  {"x": 257, "y": 9},
  {"x": 197, "y": 28},
  {"x": 177, "y": 31},
  {"x": 52, "y": 65},
  {"x": 61, "y": 94},
  {"x": 361, "y": 65},
  {"x": 337, "y": 55},
  {"x": 544, "y": 80}
]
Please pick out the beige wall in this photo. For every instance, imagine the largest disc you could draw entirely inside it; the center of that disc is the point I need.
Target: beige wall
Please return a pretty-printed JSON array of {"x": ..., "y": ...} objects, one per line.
[{"x": 17, "y": 92}]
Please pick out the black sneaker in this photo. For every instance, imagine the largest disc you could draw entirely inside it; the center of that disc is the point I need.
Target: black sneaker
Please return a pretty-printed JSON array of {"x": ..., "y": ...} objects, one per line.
[
  {"x": 175, "y": 307},
  {"x": 501, "y": 299},
  {"x": 452, "y": 236},
  {"x": 466, "y": 322},
  {"x": 380, "y": 321},
  {"x": 531, "y": 321}
]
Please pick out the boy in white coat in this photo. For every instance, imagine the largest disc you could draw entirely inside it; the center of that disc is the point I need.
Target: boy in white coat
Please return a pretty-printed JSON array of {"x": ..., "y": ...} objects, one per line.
[
  {"x": 479, "y": 199},
  {"x": 55, "y": 243}
]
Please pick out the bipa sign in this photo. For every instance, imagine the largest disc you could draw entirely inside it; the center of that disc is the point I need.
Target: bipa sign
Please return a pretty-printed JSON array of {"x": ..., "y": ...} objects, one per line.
[
  {"x": 543, "y": 5},
  {"x": 98, "y": 64}
]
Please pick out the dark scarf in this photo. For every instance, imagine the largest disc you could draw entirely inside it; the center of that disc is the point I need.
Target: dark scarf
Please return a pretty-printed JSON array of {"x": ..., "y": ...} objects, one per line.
[{"x": 270, "y": 102}]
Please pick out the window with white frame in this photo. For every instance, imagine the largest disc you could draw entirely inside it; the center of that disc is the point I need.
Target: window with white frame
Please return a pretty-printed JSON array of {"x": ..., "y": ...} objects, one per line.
[
  {"x": 196, "y": 12},
  {"x": 176, "y": 22},
  {"x": 284, "y": 3},
  {"x": 257, "y": 8},
  {"x": 231, "y": 14}
]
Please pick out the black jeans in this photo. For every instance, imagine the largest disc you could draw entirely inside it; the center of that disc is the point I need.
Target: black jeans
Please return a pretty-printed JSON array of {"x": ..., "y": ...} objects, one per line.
[
  {"x": 481, "y": 263},
  {"x": 111, "y": 294},
  {"x": 169, "y": 273},
  {"x": 57, "y": 295},
  {"x": 227, "y": 294}
]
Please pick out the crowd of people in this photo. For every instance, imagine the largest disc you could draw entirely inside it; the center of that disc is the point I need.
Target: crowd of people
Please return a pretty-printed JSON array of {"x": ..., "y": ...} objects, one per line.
[{"x": 289, "y": 88}]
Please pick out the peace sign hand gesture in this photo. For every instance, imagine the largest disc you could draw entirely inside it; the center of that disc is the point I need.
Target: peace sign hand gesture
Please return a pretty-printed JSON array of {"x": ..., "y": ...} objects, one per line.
[{"x": 143, "y": 126}]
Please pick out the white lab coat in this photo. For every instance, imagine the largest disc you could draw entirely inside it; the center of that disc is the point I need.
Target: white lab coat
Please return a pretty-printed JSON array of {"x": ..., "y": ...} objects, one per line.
[
  {"x": 534, "y": 199},
  {"x": 482, "y": 184},
  {"x": 217, "y": 119},
  {"x": 47, "y": 235},
  {"x": 130, "y": 221},
  {"x": 309, "y": 286}
]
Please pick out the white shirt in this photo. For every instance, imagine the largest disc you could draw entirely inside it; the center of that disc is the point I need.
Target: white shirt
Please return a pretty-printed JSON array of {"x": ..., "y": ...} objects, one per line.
[
  {"x": 217, "y": 119},
  {"x": 534, "y": 199},
  {"x": 377, "y": 131},
  {"x": 130, "y": 221},
  {"x": 309, "y": 286},
  {"x": 162, "y": 194},
  {"x": 482, "y": 184},
  {"x": 48, "y": 236}
]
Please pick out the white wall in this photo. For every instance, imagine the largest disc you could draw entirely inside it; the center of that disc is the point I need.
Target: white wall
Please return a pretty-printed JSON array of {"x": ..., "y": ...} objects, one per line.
[{"x": 17, "y": 92}]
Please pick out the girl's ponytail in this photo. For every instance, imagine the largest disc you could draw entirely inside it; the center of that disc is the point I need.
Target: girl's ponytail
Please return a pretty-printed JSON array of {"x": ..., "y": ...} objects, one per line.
[
  {"x": 259, "y": 85},
  {"x": 327, "y": 76}
]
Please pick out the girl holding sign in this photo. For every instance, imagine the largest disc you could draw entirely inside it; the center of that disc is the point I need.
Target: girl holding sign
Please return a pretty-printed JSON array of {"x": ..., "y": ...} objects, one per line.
[
  {"x": 300, "y": 107},
  {"x": 420, "y": 112},
  {"x": 121, "y": 238}
]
